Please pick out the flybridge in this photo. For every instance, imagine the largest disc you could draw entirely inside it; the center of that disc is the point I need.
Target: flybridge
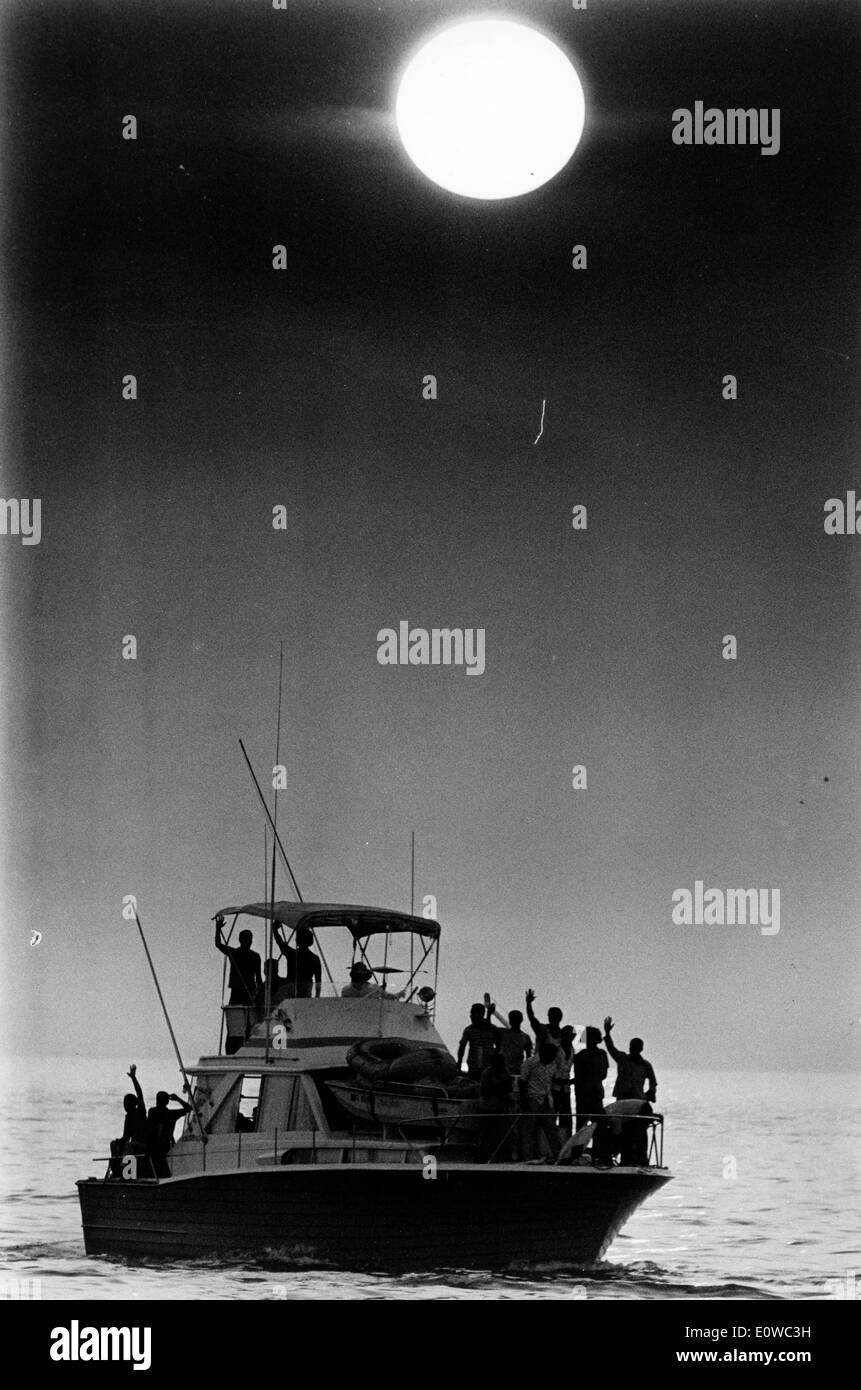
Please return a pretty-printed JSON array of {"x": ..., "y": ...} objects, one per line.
[{"x": 382, "y": 944}]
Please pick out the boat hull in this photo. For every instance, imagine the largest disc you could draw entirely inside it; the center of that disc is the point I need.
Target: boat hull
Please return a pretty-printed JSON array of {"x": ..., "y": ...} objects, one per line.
[{"x": 371, "y": 1216}]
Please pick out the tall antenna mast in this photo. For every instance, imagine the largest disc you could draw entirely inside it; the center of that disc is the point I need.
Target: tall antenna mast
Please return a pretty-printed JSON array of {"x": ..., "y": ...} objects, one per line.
[
  {"x": 412, "y": 872},
  {"x": 268, "y": 982},
  {"x": 412, "y": 891}
]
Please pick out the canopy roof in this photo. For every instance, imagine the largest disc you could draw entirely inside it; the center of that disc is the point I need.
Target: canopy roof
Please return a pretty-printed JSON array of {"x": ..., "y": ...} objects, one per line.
[{"x": 361, "y": 922}]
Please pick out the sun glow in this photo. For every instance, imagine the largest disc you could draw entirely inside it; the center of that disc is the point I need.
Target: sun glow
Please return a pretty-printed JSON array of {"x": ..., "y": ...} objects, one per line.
[{"x": 490, "y": 109}]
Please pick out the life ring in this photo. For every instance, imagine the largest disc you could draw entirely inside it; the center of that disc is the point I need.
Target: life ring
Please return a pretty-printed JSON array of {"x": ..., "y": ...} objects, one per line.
[{"x": 398, "y": 1059}]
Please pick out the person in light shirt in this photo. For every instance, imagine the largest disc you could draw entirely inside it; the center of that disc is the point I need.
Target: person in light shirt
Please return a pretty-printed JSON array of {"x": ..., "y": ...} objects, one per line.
[
  {"x": 561, "y": 1089},
  {"x": 536, "y": 1087},
  {"x": 360, "y": 983},
  {"x": 514, "y": 1045},
  {"x": 360, "y": 986}
]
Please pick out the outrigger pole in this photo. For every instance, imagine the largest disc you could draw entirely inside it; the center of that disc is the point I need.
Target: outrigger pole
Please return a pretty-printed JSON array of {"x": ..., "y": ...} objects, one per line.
[
  {"x": 269, "y": 818},
  {"x": 183, "y": 1072},
  {"x": 280, "y": 846}
]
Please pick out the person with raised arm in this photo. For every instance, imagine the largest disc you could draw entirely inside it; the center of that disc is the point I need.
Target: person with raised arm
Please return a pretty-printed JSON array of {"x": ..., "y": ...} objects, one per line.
[
  {"x": 289, "y": 987},
  {"x": 134, "y": 1127},
  {"x": 309, "y": 974},
  {"x": 514, "y": 1045},
  {"x": 478, "y": 1042},
  {"x": 635, "y": 1077},
  {"x": 634, "y": 1093},
  {"x": 245, "y": 976},
  {"x": 551, "y": 1031},
  {"x": 133, "y": 1138},
  {"x": 159, "y": 1129}
]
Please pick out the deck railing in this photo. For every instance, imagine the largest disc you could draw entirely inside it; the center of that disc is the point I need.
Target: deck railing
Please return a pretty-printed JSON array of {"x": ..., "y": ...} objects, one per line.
[{"x": 613, "y": 1147}]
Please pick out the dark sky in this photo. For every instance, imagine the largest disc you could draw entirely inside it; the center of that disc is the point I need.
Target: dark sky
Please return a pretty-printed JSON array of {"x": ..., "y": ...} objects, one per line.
[{"x": 303, "y": 387}]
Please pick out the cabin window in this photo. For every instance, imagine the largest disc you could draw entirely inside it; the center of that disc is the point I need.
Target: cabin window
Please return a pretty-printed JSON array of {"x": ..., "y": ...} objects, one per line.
[
  {"x": 249, "y": 1098},
  {"x": 226, "y": 1101},
  {"x": 203, "y": 1108},
  {"x": 302, "y": 1116},
  {"x": 277, "y": 1104}
]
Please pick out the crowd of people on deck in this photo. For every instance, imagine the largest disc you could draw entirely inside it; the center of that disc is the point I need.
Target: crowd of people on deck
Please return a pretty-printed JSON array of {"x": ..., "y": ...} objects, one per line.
[
  {"x": 515, "y": 1077},
  {"x": 525, "y": 1089}
]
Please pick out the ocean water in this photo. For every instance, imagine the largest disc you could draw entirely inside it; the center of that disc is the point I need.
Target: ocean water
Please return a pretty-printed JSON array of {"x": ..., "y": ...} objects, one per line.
[{"x": 764, "y": 1204}]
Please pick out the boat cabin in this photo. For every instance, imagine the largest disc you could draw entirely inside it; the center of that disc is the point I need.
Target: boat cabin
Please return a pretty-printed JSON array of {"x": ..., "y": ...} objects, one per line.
[{"x": 284, "y": 1083}]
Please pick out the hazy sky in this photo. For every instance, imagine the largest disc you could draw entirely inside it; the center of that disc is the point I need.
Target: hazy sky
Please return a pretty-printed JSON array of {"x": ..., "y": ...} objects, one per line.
[{"x": 303, "y": 388}]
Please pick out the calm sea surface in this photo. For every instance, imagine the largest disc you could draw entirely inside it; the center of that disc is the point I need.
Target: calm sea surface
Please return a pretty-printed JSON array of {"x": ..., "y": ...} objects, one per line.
[{"x": 786, "y": 1225}]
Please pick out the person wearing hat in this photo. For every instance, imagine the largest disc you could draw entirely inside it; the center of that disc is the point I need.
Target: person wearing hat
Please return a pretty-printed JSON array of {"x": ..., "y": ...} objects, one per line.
[
  {"x": 360, "y": 982},
  {"x": 360, "y": 986}
]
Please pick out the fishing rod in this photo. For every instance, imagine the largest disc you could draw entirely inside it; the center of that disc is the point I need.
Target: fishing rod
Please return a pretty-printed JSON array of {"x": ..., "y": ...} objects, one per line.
[{"x": 183, "y": 1072}]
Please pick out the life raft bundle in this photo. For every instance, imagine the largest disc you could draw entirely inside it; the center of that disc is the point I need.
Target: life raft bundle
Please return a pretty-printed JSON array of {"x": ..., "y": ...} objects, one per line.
[{"x": 381, "y": 1060}]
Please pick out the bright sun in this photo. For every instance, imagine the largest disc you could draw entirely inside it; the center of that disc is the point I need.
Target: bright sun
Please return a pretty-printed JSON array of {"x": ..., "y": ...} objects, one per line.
[{"x": 490, "y": 109}]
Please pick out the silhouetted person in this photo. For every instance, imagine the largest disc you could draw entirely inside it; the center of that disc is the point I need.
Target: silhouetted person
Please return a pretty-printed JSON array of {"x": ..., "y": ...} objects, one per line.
[
  {"x": 245, "y": 978},
  {"x": 635, "y": 1077},
  {"x": 551, "y": 1031},
  {"x": 273, "y": 981},
  {"x": 560, "y": 1093},
  {"x": 494, "y": 1106},
  {"x": 635, "y": 1083},
  {"x": 134, "y": 1128},
  {"x": 289, "y": 954},
  {"x": 159, "y": 1130},
  {"x": 133, "y": 1138},
  {"x": 360, "y": 982},
  {"x": 514, "y": 1045},
  {"x": 536, "y": 1083},
  {"x": 309, "y": 975},
  {"x": 590, "y": 1069},
  {"x": 478, "y": 1041}
]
